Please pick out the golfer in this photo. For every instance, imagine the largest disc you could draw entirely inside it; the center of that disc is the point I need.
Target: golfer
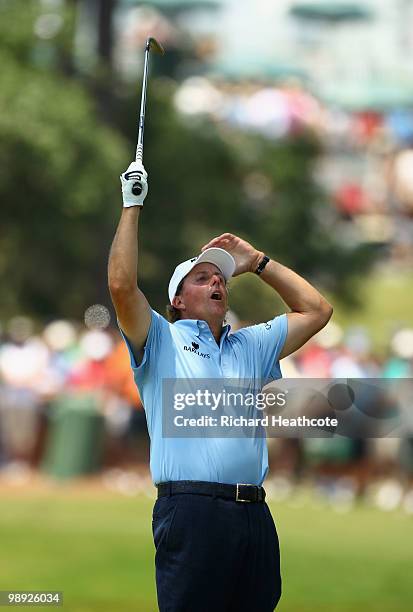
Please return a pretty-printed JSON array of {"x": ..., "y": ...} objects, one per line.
[{"x": 216, "y": 542}]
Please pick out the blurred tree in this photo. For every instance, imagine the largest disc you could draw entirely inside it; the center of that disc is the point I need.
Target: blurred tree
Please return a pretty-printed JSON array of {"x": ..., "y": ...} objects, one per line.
[
  {"x": 57, "y": 164},
  {"x": 59, "y": 181},
  {"x": 57, "y": 192}
]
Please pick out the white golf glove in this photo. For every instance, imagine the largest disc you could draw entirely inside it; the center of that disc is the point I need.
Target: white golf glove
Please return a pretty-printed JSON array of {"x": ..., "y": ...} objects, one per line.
[{"x": 134, "y": 185}]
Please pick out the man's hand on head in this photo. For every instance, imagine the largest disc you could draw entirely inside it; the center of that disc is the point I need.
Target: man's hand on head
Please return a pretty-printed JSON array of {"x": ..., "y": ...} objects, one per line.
[{"x": 247, "y": 258}]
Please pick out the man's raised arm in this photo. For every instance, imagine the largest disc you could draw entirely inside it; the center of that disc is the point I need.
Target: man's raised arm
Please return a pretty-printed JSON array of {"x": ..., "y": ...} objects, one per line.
[
  {"x": 310, "y": 310},
  {"x": 132, "y": 308}
]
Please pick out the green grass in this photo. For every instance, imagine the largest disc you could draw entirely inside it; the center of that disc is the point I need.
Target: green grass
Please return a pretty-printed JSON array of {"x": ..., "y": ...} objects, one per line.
[
  {"x": 97, "y": 548},
  {"x": 386, "y": 303}
]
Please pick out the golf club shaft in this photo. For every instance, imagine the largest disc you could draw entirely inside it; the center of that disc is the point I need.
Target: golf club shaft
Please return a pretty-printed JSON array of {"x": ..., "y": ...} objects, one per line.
[{"x": 139, "y": 146}]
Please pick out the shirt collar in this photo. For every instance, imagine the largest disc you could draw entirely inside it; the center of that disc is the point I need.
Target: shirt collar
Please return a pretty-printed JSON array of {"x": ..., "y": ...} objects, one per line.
[{"x": 201, "y": 327}]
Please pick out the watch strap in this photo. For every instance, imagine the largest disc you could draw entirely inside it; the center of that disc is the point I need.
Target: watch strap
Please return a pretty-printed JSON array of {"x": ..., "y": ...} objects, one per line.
[{"x": 262, "y": 264}]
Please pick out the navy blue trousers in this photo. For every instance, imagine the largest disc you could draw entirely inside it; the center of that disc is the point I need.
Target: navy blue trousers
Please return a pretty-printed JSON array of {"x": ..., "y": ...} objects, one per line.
[{"x": 215, "y": 555}]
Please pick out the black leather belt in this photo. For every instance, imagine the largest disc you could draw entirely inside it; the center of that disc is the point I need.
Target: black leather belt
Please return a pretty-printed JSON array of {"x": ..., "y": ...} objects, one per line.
[{"x": 238, "y": 492}]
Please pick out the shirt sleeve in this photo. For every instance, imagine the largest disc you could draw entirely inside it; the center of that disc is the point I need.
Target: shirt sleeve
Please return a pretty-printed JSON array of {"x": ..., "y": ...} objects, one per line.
[
  {"x": 151, "y": 349},
  {"x": 268, "y": 339}
]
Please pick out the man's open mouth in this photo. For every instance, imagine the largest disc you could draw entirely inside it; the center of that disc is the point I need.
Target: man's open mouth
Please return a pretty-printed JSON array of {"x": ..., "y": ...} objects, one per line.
[{"x": 216, "y": 296}]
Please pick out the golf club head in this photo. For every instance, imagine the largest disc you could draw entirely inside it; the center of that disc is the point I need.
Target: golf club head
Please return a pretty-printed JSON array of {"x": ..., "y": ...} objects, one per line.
[{"x": 154, "y": 45}]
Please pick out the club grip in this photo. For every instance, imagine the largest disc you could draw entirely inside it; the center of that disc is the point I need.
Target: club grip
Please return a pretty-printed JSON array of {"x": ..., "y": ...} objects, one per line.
[
  {"x": 139, "y": 153},
  {"x": 137, "y": 189}
]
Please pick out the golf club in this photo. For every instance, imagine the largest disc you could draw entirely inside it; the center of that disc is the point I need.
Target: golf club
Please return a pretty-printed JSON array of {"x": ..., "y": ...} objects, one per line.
[{"x": 153, "y": 44}]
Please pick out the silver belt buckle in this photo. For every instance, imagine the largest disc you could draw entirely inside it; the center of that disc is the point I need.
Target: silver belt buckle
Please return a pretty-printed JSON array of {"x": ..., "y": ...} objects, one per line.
[{"x": 237, "y": 497}]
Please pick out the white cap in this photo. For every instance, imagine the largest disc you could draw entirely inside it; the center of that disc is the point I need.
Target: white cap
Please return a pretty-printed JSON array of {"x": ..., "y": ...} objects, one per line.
[{"x": 219, "y": 257}]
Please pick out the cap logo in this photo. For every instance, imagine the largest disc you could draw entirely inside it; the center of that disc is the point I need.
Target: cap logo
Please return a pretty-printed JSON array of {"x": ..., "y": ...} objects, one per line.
[{"x": 194, "y": 259}]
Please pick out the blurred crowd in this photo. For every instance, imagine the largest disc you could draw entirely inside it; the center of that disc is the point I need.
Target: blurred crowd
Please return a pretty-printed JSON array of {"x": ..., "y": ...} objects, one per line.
[
  {"x": 366, "y": 168},
  {"x": 43, "y": 369}
]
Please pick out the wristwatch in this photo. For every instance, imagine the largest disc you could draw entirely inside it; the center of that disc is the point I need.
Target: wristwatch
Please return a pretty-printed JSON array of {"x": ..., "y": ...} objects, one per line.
[{"x": 262, "y": 265}]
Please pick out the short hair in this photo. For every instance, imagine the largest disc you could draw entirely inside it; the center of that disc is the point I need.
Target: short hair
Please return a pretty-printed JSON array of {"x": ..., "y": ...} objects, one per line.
[{"x": 172, "y": 313}]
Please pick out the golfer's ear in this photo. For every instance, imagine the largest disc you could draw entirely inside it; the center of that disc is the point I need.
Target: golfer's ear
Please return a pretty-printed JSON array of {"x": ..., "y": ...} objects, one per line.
[{"x": 178, "y": 303}]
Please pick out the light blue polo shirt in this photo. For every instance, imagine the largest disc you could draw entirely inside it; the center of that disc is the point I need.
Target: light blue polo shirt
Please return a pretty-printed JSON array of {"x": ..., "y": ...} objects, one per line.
[{"x": 250, "y": 353}]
